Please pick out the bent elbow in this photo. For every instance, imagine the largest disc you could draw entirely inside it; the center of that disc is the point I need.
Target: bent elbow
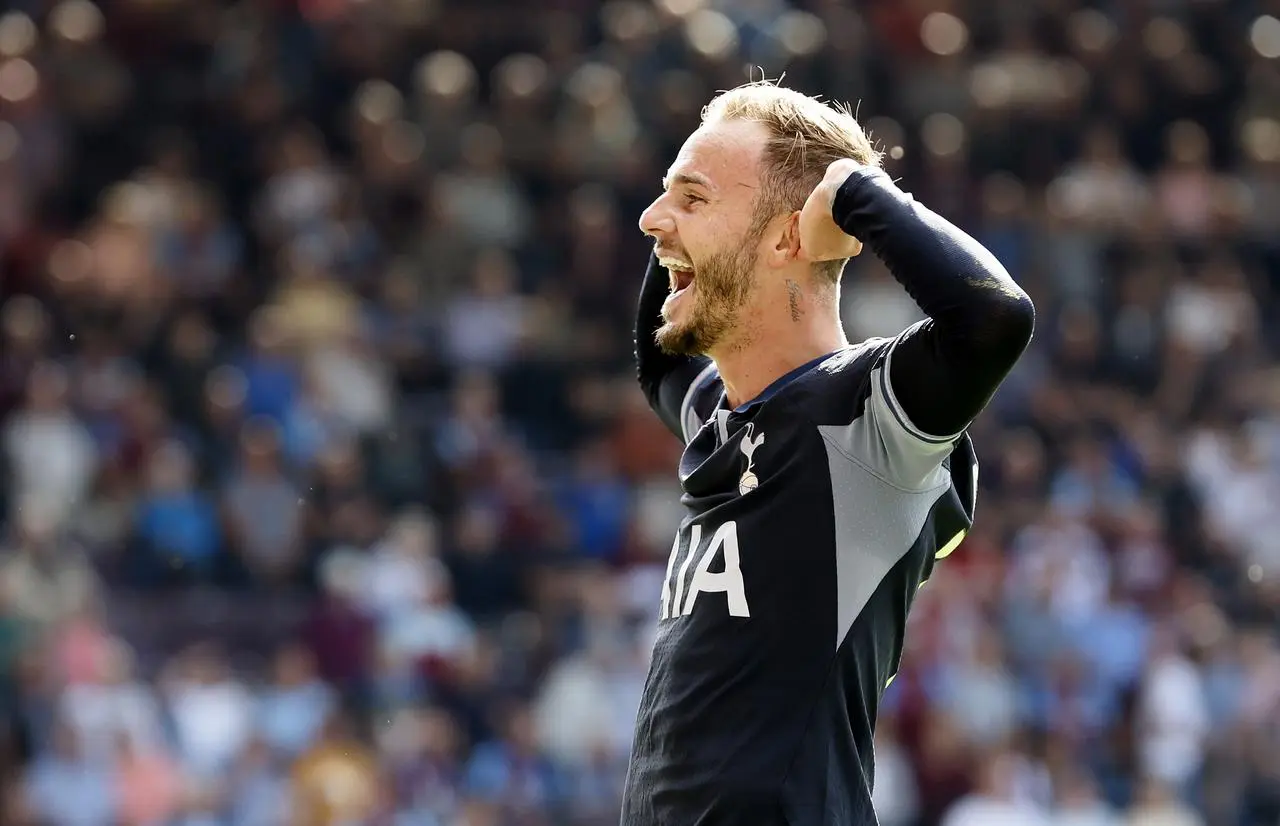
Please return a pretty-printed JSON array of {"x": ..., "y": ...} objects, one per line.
[
  {"x": 1000, "y": 325},
  {"x": 1018, "y": 318}
]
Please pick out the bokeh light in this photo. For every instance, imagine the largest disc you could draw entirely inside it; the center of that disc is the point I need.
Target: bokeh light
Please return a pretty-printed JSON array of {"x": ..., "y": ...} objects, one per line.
[
  {"x": 70, "y": 261},
  {"x": 1264, "y": 36},
  {"x": 77, "y": 21},
  {"x": 800, "y": 33},
  {"x": 10, "y": 141},
  {"x": 1165, "y": 38},
  {"x": 681, "y": 8},
  {"x": 942, "y": 134},
  {"x": 943, "y": 33},
  {"x": 521, "y": 75},
  {"x": 446, "y": 74},
  {"x": 1261, "y": 139},
  {"x": 711, "y": 34},
  {"x": 378, "y": 102},
  {"x": 18, "y": 34},
  {"x": 18, "y": 80},
  {"x": 1092, "y": 30},
  {"x": 403, "y": 143}
]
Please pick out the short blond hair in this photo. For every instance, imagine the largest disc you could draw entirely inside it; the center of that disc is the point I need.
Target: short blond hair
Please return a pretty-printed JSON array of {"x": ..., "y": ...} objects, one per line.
[{"x": 805, "y": 136}]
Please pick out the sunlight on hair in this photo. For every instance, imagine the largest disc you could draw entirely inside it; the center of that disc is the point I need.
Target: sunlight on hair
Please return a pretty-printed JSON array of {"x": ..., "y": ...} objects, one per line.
[{"x": 806, "y": 135}]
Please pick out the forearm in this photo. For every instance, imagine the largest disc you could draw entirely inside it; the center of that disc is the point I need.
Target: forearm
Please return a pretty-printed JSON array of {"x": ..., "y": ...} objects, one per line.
[
  {"x": 944, "y": 373},
  {"x": 663, "y": 377}
]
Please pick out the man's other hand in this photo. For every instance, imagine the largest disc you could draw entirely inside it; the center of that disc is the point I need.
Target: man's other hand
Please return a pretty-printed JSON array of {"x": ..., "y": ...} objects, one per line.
[{"x": 821, "y": 238}]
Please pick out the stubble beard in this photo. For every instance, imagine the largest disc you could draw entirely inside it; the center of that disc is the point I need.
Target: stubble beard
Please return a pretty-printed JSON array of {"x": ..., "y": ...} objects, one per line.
[{"x": 723, "y": 284}]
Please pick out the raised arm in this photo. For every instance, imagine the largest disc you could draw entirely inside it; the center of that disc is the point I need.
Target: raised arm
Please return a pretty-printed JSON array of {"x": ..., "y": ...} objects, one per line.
[
  {"x": 671, "y": 383},
  {"x": 943, "y": 371}
]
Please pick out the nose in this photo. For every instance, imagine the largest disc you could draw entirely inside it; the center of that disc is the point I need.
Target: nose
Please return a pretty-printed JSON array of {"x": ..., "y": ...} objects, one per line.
[{"x": 656, "y": 220}]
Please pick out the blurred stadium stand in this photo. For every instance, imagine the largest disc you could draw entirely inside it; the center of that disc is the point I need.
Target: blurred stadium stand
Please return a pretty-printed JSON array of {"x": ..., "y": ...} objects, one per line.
[{"x": 328, "y": 498}]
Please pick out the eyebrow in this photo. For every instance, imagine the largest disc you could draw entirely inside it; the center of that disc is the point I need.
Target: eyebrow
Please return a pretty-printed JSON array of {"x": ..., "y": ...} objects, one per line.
[{"x": 690, "y": 178}]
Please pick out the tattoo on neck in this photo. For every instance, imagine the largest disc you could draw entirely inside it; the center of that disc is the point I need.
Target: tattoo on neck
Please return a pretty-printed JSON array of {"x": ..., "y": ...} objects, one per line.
[{"x": 793, "y": 294}]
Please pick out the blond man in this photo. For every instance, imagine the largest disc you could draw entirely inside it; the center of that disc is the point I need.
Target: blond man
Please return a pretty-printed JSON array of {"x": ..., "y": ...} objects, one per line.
[{"x": 821, "y": 479}]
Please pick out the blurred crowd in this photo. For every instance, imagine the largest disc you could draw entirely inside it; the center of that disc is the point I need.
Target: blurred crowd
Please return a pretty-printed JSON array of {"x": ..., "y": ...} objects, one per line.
[{"x": 328, "y": 497}]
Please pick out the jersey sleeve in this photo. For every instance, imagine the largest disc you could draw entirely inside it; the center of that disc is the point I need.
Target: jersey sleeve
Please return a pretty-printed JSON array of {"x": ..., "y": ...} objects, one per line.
[
  {"x": 699, "y": 401},
  {"x": 943, "y": 371},
  {"x": 861, "y": 417},
  {"x": 682, "y": 390},
  {"x": 901, "y": 450},
  {"x": 684, "y": 404}
]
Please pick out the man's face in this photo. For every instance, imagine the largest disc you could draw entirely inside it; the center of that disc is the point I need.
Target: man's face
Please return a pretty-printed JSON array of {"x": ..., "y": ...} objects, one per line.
[{"x": 703, "y": 233}]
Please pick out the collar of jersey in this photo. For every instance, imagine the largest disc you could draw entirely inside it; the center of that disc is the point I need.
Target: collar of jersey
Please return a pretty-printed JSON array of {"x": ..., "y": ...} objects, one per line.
[{"x": 782, "y": 382}]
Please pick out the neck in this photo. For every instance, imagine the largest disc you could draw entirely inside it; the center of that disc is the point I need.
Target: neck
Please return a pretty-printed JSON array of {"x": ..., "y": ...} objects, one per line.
[{"x": 773, "y": 347}]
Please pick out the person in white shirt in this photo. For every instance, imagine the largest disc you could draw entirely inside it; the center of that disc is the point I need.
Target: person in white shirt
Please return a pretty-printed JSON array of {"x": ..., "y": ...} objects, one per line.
[
  {"x": 994, "y": 802},
  {"x": 1173, "y": 715}
]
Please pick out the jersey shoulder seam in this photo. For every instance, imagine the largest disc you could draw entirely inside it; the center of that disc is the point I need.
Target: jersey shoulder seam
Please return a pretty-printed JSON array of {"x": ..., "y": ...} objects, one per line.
[{"x": 863, "y": 357}]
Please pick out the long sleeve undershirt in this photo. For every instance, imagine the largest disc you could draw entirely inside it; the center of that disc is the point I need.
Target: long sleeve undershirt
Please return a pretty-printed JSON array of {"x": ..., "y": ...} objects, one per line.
[
  {"x": 945, "y": 371},
  {"x": 664, "y": 378}
]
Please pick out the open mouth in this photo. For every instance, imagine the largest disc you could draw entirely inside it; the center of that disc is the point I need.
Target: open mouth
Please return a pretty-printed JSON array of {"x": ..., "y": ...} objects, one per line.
[{"x": 680, "y": 272}]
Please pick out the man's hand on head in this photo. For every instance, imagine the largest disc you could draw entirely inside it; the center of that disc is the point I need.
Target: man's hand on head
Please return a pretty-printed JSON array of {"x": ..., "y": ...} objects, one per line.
[{"x": 821, "y": 238}]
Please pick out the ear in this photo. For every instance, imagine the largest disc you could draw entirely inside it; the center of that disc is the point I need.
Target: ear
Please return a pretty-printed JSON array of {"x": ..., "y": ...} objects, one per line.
[{"x": 786, "y": 246}]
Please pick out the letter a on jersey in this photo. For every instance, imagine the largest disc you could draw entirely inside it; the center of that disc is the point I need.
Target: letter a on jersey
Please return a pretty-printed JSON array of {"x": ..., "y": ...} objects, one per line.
[{"x": 680, "y": 601}]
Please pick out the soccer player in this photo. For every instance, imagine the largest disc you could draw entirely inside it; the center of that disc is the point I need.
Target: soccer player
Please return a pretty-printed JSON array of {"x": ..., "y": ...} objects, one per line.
[{"x": 821, "y": 479}]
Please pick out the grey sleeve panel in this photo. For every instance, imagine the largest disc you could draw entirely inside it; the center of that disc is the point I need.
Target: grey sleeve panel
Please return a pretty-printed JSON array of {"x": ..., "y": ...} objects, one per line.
[
  {"x": 884, "y": 440},
  {"x": 876, "y": 524}
]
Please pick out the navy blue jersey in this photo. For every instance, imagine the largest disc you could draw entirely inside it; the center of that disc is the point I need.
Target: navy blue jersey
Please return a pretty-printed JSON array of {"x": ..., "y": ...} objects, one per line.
[{"x": 813, "y": 514}]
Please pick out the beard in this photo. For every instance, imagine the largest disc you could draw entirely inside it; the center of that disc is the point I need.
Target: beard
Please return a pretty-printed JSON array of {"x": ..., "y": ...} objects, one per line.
[{"x": 721, "y": 286}]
